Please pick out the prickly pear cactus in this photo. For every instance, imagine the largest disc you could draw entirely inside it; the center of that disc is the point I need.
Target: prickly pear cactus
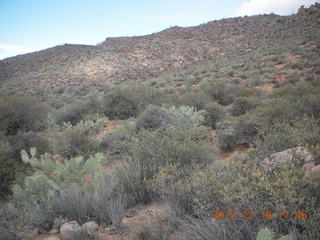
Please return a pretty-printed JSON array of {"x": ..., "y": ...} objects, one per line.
[
  {"x": 51, "y": 175},
  {"x": 189, "y": 112}
]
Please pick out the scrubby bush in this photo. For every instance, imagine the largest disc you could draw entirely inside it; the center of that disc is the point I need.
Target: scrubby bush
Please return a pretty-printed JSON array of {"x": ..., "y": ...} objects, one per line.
[
  {"x": 204, "y": 228},
  {"x": 77, "y": 111},
  {"x": 227, "y": 133},
  {"x": 218, "y": 92},
  {"x": 194, "y": 99},
  {"x": 300, "y": 99},
  {"x": 152, "y": 150},
  {"x": 286, "y": 104},
  {"x": 293, "y": 78},
  {"x": 160, "y": 118},
  {"x": 284, "y": 135},
  {"x": 7, "y": 162},
  {"x": 243, "y": 185},
  {"x": 103, "y": 203},
  {"x": 21, "y": 113},
  {"x": 148, "y": 152},
  {"x": 241, "y": 106},
  {"x": 214, "y": 114},
  {"x": 26, "y": 140},
  {"x": 73, "y": 140},
  {"x": 156, "y": 118},
  {"x": 128, "y": 101},
  {"x": 246, "y": 103},
  {"x": 6, "y": 230}
]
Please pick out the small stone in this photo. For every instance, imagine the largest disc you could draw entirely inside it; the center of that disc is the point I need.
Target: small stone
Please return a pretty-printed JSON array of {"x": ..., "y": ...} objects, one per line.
[
  {"x": 54, "y": 231},
  {"x": 70, "y": 231},
  {"x": 90, "y": 228}
]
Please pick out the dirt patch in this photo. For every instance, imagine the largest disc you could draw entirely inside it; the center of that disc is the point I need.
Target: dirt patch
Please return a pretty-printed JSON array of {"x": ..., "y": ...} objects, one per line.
[
  {"x": 280, "y": 66},
  {"x": 226, "y": 156},
  {"x": 47, "y": 236},
  {"x": 281, "y": 78},
  {"x": 267, "y": 86},
  {"x": 110, "y": 128},
  {"x": 214, "y": 134}
]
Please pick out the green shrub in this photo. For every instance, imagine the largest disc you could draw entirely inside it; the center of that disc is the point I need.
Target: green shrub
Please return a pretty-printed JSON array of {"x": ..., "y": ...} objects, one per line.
[
  {"x": 218, "y": 92},
  {"x": 293, "y": 78},
  {"x": 204, "y": 228},
  {"x": 129, "y": 101},
  {"x": 284, "y": 135},
  {"x": 148, "y": 152},
  {"x": 152, "y": 150},
  {"x": 214, "y": 114},
  {"x": 26, "y": 140},
  {"x": 247, "y": 128},
  {"x": 7, "y": 162},
  {"x": 227, "y": 133},
  {"x": 154, "y": 118},
  {"x": 103, "y": 203},
  {"x": 297, "y": 100},
  {"x": 116, "y": 141},
  {"x": 243, "y": 184},
  {"x": 76, "y": 112},
  {"x": 193, "y": 99},
  {"x": 70, "y": 141},
  {"x": 243, "y": 105},
  {"x": 21, "y": 113},
  {"x": 7, "y": 231}
]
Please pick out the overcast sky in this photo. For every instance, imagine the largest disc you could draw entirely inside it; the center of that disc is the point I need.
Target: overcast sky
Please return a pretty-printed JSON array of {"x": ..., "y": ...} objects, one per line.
[{"x": 30, "y": 25}]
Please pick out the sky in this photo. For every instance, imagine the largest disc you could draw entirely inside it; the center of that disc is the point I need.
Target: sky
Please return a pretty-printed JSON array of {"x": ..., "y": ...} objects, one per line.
[{"x": 32, "y": 25}]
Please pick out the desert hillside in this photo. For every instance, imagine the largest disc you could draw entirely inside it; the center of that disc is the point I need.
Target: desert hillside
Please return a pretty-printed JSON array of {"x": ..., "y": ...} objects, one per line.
[{"x": 229, "y": 45}]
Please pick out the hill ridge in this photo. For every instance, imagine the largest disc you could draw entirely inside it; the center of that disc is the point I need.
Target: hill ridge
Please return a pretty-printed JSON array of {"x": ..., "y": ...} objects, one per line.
[{"x": 127, "y": 59}]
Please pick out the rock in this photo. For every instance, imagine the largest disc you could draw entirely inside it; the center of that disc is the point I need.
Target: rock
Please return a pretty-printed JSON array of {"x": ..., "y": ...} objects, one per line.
[
  {"x": 53, "y": 231},
  {"x": 315, "y": 171},
  {"x": 90, "y": 228},
  {"x": 111, "y": 230},
  {"x": 70, "y": 231},
  {"x": 286, "y": 156},
  {"x": 202, "y": 112}
]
